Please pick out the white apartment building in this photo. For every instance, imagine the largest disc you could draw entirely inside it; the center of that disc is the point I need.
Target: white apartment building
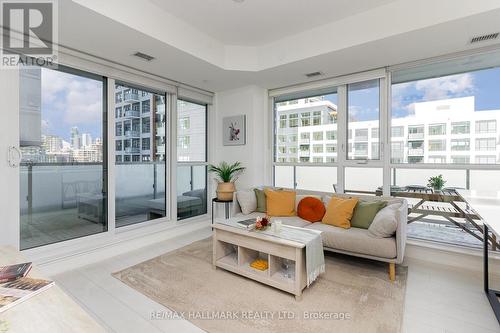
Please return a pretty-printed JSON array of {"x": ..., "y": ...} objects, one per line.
[
  {"x": 139, "y": 125},
  {"x": 443, "y": 131},
  {"x": 191, "y": 132}
]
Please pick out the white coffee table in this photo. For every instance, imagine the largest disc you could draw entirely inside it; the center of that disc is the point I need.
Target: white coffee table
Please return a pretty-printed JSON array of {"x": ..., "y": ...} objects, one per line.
[{"x": 234, "y": 248}]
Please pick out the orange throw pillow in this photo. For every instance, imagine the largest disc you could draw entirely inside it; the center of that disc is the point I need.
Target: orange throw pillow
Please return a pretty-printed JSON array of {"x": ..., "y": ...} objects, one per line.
[
  {"x": 339, "y": 212},
  {"x": 311, "y": 209},
  {"x": 280, "y": 203}
]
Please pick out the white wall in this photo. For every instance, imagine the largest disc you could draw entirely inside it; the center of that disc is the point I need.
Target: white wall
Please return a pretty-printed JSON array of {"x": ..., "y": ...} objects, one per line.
[
  {"x": 255, "y": 155},
  {"x": 9, "y": 177}
]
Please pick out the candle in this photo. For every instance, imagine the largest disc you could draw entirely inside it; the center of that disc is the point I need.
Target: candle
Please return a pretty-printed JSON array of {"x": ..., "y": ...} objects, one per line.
[{"x": 277, "y": 225}]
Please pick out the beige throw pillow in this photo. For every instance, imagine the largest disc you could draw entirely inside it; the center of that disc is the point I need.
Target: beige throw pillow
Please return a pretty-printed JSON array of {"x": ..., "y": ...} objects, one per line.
[
  {"x": 247, "y": 201},
  {"x": 385, "y": 222}
]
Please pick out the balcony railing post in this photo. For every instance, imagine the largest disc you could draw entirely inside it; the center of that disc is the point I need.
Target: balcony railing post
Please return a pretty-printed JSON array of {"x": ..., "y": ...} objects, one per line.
[
  {"x": 30, "y": 192},
  {"x": 155, "y": 176}
]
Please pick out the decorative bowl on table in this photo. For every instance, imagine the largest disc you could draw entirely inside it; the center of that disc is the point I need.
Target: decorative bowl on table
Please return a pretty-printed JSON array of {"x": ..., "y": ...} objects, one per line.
[{"x": 262, "y": 223}]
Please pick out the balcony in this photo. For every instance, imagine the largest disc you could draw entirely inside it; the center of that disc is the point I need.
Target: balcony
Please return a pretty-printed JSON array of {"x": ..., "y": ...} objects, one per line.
[
  {"x": 132, "y": 134},
  {"x": 160, "y": 109},
  {"x": 130, "y": 97},
  {"x": 304, "y": 153},
  {"x": 132, "y": 150},
  {"x": 362, "y": 152},
  {"x": 160, "y": 149},
  {"x": 305, "y": 141},
  {"x": 415, "y": 136},
  {"x": 416, "y": 152},
  {"x": 132, "y": 114},
  {"x": 361, "y": 138},
  {"x": 160, "y": 131}
]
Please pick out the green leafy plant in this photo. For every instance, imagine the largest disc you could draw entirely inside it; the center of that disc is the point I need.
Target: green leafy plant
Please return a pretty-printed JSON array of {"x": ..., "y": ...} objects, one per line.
[
  {"x": 436, "y": 182},
  {"x": 226, "y": 172}
]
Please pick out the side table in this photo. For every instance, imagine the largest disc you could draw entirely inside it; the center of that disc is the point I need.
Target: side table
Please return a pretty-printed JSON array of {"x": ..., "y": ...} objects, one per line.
[{"x": 226, "y": 203}]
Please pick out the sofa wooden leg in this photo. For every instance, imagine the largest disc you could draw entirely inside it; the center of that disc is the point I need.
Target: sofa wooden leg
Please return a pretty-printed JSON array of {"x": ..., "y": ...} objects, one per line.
[{"x": 392, "y": 271}]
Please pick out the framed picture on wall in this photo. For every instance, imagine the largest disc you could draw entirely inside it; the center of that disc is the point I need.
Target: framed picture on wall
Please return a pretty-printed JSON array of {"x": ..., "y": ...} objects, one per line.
[{"x": 234, "y": 130}]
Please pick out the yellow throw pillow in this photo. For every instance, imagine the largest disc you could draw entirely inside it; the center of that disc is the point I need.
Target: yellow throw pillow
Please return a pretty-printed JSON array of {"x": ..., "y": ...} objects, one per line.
[
  {"x": 280, "y": 203},
  {"x": 339, "y": 212}
]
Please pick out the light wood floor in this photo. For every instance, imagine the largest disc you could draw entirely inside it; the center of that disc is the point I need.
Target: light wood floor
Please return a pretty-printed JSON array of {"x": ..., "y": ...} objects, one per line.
[{"x": 438, "y": 298}]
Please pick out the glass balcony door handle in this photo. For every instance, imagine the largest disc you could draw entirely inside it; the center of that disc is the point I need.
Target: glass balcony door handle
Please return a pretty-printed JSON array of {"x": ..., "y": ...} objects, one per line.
[{"x": 13, "y": 156}]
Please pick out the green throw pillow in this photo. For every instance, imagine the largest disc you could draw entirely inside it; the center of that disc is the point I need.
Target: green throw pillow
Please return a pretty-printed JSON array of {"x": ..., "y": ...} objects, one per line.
[
  {"x": 261, "y": 200},
  {"x": 365, "y": 212}
]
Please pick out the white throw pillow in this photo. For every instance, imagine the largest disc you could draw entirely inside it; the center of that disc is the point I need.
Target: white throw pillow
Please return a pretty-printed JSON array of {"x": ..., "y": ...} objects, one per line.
[
  {"x": 385, "y": 222},
  {"x": 299, "y": 197},
  {"x": 247, "y": 201}
]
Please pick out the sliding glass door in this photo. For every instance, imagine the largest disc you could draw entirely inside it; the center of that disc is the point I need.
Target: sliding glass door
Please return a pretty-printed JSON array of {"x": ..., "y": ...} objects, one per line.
[
  {"x": 140, "y": 155},
  {"x": 191, "y": 159},
  {"x": 63, "y": 177}
]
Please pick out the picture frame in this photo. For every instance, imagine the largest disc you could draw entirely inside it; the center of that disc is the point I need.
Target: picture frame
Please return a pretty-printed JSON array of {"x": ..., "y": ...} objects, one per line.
[{"x": 234, "y": 130}]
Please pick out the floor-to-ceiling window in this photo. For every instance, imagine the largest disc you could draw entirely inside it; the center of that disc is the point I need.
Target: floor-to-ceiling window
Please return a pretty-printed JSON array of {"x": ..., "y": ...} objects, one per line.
[
  {"x": 140, "y": 154},
  {"x": 439, "y": 133},
  {"x": 444, "y": 120},
  {"x": 191, "y": 159},
  {"x": 306, "y": 141},
  {"x": 363, "y": 172},
  {"x": 63, "y": 166}
]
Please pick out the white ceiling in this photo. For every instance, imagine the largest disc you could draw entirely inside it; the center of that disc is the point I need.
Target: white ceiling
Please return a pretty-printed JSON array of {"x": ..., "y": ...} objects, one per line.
[
  {"x": 258, "y": 22},
  {"x": 193, "y": 57}
]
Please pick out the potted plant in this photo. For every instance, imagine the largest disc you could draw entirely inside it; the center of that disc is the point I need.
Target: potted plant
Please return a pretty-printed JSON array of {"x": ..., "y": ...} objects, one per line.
[
  {"x": 226, "y": 175},
  {"x": 436, "y": 182}
]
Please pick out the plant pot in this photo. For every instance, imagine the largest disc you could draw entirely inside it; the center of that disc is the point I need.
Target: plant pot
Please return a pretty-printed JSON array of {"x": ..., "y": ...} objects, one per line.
[{"x": 225, "y": 191}]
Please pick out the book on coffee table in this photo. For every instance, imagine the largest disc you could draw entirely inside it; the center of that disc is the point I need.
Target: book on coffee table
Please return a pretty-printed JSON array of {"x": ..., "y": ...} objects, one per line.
[
  {"x": 17, "y": 291},
  {"x": 248, "y": 224},
  {"x": 13, "y": 272}
]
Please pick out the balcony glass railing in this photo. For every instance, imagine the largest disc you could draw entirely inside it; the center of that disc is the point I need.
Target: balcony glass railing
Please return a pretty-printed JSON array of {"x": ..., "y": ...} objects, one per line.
[
  {"x": 416, "y": 151},
  {"x": 132, "y": 114},
  {"x": 132, "y": 134},
  {"x": 60, "y": 201},
  {"x": 131, "y": 97},
  {"x": 132, "y": 150},
  {"x": 140, "y": 192},
  {"x": 415, "y": 136}
]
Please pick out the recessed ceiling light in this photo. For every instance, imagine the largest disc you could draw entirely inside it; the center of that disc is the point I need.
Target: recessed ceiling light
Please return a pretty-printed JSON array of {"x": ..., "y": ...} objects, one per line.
[{"x": 238, "y": 1}]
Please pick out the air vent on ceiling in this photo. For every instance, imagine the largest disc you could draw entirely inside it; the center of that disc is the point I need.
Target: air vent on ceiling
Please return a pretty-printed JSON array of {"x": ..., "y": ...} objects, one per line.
[
  {"x": 484, "y": 38},
  {"x": 144, "y": 56},
  {"x": 313, "y": 74}
]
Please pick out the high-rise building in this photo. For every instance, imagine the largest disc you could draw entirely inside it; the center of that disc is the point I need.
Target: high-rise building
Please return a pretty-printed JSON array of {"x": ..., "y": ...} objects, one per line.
[
  {"x": 139, "y": 125},
  {"x": 52, "y": 143},
  {"x": 75, "y": 139},
  {"x": 86, "y": 140}
]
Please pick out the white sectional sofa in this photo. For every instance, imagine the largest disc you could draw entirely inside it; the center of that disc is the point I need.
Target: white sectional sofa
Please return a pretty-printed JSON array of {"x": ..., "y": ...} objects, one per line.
[{"x": 354, "y": 241}]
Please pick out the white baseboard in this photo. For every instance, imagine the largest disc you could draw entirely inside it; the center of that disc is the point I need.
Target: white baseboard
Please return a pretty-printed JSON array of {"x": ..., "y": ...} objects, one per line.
[
  {"x": 56, "y": 262},
  {"x": 449, "y": 255}
]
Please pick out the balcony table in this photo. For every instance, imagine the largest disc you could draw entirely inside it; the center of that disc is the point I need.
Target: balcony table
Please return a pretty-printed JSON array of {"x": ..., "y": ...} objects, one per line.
[
  {"x": 449, "y": 208},
  {"x": 487, "y": 206}
]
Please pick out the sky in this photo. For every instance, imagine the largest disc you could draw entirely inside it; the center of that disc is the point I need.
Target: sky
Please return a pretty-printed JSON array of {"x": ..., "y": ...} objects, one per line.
[
  {"x": 483, "y": 84},
  {"x": 69, "y": 100}
]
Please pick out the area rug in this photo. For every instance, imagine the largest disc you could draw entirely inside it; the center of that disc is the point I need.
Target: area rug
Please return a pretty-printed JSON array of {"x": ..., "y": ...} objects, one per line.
[{"x": 354, "y": 295}]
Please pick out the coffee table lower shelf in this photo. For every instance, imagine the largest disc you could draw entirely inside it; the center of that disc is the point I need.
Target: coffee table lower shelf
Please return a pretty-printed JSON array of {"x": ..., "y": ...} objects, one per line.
[{"x": 234, "y": 249}]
